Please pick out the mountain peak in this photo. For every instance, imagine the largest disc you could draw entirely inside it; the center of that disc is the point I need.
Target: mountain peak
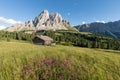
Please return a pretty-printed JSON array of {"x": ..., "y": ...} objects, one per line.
[
  {"x": 45, "y": 11},
  {"x": 44, "y": 21},
  {"x": 111, "y": 29}
]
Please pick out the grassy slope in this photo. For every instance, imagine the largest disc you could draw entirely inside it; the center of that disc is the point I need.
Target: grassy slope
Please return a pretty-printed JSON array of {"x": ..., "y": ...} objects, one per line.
[{"x": 25, "y": 61}]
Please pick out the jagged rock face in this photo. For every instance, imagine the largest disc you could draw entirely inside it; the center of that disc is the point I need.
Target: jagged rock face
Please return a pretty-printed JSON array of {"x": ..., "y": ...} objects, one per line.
[
  {"x": 41, "y": 19},
  {"x": 29, "y": 24},
  {"x": 44, "y": 21},
  {"x": 111, "y": 29}
]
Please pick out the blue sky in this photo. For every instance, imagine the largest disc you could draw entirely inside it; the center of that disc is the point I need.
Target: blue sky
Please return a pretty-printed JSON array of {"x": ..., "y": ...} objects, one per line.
[{"x": 75, "y": 11}]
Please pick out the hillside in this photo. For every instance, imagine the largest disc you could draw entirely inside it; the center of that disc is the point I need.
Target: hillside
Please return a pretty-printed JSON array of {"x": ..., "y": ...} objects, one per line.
[
  {"x": 25, "y": 61},
  {"x": 65, "y": 37},
  {"x": 111, "y": 29}
]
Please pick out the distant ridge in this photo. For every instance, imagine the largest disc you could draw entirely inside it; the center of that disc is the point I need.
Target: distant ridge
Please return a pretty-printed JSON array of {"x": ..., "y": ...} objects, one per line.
[
  {"x": 111, "y": 29},
  {"x": 44, "y": 21}
]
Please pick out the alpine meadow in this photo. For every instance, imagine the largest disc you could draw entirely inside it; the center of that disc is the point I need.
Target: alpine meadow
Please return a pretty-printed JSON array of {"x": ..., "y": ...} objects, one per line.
[
  {"x": 17, "y": 62},
  {"x": 59, "y": 40}
]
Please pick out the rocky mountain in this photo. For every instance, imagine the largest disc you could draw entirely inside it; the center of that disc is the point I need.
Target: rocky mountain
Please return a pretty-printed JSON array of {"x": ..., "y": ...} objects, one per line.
[
  {"x": 44, "y": 21},
  {"x": 111, "y": 29}
]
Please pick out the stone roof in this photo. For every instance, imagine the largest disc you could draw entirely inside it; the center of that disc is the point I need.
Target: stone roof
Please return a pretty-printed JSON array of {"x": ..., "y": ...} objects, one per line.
[{"x": 45, "y": 38}]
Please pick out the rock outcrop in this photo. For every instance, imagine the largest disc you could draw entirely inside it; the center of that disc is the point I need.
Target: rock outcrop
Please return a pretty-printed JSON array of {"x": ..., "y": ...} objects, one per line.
[{"x": 44, "y": 21}]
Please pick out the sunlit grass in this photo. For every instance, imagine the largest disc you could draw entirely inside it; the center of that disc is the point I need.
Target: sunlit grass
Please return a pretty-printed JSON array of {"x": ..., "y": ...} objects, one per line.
[{"x": 25, "y": 61}]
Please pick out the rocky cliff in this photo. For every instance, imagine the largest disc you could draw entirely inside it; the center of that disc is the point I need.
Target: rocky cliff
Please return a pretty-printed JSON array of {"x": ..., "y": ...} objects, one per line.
[{"x": 44, "y": 21}]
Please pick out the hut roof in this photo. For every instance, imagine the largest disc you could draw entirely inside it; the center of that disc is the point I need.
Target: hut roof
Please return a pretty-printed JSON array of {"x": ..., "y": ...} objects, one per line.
[{"x": 45, "y": 38}]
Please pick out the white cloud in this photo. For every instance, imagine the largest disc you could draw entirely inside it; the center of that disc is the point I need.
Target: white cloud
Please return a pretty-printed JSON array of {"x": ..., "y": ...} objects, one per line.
[
  {"x": 2, "y": 27},
  {"x": 100, "y": 21},
  {"x": 83, "y": 22},
  {"x": 9, "y": 21}
]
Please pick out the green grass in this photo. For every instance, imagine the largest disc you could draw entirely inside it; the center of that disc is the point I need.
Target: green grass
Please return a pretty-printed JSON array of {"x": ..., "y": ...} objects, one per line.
[{"x": 25, "y": 61}]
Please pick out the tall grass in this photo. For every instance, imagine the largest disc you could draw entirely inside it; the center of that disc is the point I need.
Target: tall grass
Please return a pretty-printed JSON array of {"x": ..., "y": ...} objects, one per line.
[{"x": 25, "y": 61}]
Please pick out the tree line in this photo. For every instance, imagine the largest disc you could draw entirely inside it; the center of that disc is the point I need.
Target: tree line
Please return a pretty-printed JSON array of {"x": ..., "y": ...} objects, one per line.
[
  {"x": 70, "y": 38},
  {"x": 84, "y": 40}
]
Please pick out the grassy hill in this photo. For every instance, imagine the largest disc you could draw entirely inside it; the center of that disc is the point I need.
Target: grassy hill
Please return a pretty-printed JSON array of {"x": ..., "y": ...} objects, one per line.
[{"x": 25, "y": 61}]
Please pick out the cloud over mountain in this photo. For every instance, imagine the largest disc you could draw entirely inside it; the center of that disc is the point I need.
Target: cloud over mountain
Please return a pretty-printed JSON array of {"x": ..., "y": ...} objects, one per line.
[
  {"x": 2, "y": 27},
  {"x": 9, "y": 21},
  {"x": 100, "y": 21}
]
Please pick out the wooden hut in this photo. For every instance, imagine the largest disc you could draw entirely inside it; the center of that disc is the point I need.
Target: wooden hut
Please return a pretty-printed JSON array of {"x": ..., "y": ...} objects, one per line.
[{"x": 42, "y": 40}]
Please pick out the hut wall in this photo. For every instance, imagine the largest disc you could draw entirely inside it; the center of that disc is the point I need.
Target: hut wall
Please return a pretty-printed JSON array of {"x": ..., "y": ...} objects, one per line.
[
  {"x": 38, "y": 41},
  {"x": 48, "y": 42}
]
